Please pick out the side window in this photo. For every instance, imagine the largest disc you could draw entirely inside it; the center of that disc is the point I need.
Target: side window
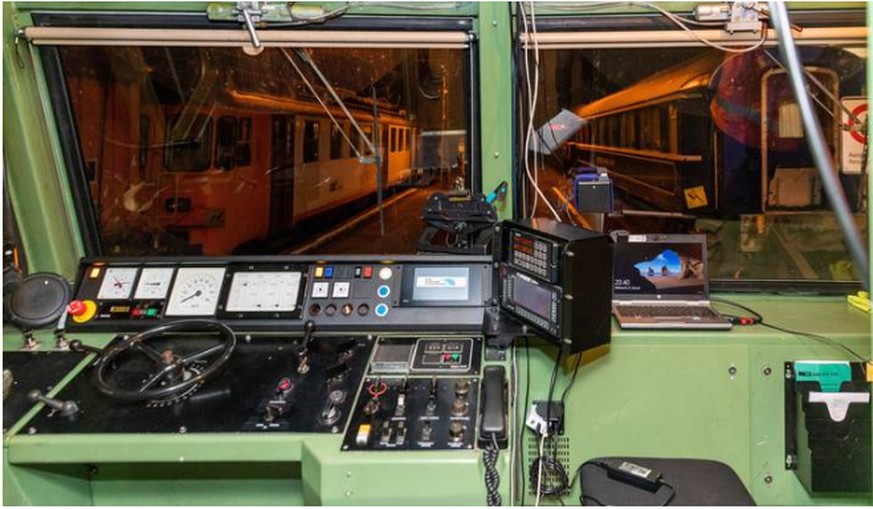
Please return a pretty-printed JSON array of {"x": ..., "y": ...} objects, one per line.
[
  {"x": 355, "y": 138},
  {"x": 310, "y": 141},
  {"x": 337, "y": 142},
  {"x": 368, "y": 132},
  {"x": 189, "y": 147},
  {"x": 225, "y": 143},
  {"x": 244, "y": 142}
]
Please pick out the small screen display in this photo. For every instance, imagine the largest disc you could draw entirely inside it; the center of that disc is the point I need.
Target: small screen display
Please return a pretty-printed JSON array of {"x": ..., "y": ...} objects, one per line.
[
  {"x": 659, "y": 268},
  {"x": 264, "y": 292},
  {"x": 441, "y": 284},
  {"x": 533, "y": 297}
]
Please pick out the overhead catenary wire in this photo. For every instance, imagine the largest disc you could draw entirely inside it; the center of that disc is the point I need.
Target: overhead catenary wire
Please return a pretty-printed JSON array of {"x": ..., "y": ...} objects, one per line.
[{"x": 817, "y": 146}]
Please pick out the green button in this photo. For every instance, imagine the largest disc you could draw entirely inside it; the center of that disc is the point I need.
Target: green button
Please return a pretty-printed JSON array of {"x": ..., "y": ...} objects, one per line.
[
  {"x": 456, "y": 356},
  {"x": 151, "y": 312}
]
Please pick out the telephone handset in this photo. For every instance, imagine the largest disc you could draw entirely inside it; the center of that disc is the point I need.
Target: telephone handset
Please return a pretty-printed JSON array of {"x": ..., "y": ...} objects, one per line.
[{"x": 492, "y": 423}]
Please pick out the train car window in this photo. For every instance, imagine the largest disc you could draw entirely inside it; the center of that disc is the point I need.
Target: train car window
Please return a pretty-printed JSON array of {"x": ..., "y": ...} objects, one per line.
[
  {"x": 226, "y": 136},
  {"x": 189, "y": 143},
  {"x": 243, "y": 152},
  {"x": 294, "y": 177},
  {"x": 311, "y": 141},
  {"x": 338, "y": 145},
  {"x": 699, "y": 140},
  {"x": 354, "y": 140}
]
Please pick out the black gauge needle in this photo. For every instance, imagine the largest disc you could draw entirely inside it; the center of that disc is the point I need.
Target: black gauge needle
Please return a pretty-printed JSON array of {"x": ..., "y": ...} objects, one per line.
[{"x": 195, "y": 294}]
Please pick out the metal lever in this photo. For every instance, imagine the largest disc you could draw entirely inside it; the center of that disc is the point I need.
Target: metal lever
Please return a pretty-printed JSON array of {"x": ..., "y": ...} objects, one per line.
[
  {"x": 303, "y": 351},
  {"x": 250, "y": 26},
  {"x": 78, "y": 346},
  {"x": 66, "y": 408}
]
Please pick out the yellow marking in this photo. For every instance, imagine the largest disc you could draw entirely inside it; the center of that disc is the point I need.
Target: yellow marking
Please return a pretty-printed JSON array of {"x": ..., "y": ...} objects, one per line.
[
  {"x": 90, "y": 311},
  {"x": 695, "y": 197}
]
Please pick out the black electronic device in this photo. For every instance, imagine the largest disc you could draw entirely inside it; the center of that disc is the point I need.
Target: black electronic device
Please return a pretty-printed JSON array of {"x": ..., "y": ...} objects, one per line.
[
  {"x": 459, "y": 222},
  {"x": 558, "y": 279}
]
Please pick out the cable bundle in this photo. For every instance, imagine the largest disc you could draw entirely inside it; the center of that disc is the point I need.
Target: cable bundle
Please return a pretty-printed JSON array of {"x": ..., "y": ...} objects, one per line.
[{"x": 492, "y": 477}]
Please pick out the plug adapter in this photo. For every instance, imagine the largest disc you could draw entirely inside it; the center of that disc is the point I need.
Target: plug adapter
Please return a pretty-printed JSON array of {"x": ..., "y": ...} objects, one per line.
[{"x": 636, "y": 475}]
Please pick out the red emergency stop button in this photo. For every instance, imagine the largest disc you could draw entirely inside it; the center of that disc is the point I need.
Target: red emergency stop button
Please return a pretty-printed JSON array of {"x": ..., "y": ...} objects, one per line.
[
  {"x": 283, "y": 385},
  {"x": 77, "y": 308},
  {"x": 82, "y": 310}
]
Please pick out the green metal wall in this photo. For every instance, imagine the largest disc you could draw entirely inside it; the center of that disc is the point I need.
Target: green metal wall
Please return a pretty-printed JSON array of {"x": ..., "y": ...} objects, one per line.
[{"x": 654, "y": 394}]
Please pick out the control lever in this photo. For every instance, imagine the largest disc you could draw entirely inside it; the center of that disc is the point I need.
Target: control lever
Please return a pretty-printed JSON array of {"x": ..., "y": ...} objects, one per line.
[
  {"x": 303, "y": 350},
  {"x": 401, "y": 397},
  {"x": 431, "y": 400},
  {"x": 77, "y": 346},
  {"x": 66, "y": 408}
]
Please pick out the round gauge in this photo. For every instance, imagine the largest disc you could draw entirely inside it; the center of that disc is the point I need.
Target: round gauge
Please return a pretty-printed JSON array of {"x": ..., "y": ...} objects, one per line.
[
  {"x": 195, "y": 292},
  {"x": 117, "y": 283},
  {"x": 153, "y": 283}
]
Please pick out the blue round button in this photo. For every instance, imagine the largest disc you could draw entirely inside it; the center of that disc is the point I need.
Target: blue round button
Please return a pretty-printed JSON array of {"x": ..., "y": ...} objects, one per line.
[
  {"x": 381, "y": 310},
  {"x": 383, "y": 291}
]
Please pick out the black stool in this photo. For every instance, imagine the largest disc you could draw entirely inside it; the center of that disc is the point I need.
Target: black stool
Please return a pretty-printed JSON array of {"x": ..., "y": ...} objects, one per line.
[{"x": 688, "y": 482}]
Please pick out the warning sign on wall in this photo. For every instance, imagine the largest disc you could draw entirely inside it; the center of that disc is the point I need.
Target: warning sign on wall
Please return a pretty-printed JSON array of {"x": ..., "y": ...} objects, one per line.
[{"x": 854, "y": 138}]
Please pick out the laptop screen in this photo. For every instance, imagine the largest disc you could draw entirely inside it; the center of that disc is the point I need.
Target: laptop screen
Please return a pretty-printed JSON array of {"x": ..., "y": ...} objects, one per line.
[{"x": 672, "y": 265}]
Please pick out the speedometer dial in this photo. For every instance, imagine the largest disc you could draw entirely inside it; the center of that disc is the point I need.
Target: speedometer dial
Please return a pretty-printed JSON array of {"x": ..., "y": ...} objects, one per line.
[{"x": 196, "y": 291}]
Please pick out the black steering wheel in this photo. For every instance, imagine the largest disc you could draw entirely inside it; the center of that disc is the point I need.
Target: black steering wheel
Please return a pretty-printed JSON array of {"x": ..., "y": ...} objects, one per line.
[{"x": 173, "y": 375}]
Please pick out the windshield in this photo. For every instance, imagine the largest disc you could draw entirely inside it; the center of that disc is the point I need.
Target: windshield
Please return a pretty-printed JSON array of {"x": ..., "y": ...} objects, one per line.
[
  {"x": 697, "y": 140},
  {"x": 214, "y": 151}
]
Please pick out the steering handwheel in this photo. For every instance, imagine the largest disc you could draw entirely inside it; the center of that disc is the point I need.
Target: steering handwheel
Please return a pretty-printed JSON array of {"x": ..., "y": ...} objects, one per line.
[{"x": 172, "y": 375}]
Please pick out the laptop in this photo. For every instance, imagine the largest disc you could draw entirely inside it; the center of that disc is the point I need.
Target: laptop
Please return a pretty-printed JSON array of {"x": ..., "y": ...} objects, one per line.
[{"x": 661, "y": 281}]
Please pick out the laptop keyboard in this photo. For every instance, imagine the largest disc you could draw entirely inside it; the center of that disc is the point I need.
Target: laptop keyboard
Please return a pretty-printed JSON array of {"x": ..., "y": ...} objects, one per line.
[{"x": 667, "y": 311}]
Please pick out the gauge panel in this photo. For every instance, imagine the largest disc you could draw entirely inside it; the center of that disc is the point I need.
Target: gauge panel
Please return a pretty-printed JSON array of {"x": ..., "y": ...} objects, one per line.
[
  {"x": 264, "y": 292},
  {"x": 195, "y": 291},
  {"x": 154, "y": 283},
  {"x": 117, "y": 283}
]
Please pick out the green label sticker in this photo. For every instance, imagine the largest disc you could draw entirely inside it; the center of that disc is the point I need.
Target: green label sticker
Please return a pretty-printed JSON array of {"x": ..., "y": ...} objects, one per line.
[{"x": 829, "y": 374}]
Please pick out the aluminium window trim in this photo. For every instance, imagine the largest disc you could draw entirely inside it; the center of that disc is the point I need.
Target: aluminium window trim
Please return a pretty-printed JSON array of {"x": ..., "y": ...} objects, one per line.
[
  {"x": 680, "y": 38},
  {"x": 86, "y": 36}
]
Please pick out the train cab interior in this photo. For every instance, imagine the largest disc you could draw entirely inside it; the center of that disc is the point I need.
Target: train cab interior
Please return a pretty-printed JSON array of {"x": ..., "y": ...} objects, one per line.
[{"x": 436, "y": 253}]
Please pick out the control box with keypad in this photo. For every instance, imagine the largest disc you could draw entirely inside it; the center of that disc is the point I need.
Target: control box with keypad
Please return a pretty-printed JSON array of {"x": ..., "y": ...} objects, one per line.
[{"x": 557, "y": 279}]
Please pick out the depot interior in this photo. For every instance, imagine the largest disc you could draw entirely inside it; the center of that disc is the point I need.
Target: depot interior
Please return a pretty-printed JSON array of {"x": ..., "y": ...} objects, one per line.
[{"x": 363, "y": 253}]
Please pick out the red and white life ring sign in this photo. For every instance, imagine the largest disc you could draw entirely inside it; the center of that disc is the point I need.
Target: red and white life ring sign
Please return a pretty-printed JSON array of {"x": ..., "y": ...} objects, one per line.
[{"x": 853, "y": 138}]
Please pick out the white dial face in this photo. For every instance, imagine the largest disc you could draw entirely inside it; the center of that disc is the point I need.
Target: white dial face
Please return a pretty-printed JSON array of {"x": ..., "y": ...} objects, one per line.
[
  {"x": 195, "y": 292},
  {"x": 264, "y": 291},
  {"x": 153, "y": 283},
  {"x": 117, "y": 283}
]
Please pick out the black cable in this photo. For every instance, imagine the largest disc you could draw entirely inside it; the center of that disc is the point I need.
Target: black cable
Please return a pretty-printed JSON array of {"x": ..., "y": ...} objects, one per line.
[
  {"x": 552, "y": 469},
  {"x": 524, "y": 411},
  {"x": 492, "y": 476},
  {"x": 817, "y": 337},
  {"x": 589, "y": 497}
]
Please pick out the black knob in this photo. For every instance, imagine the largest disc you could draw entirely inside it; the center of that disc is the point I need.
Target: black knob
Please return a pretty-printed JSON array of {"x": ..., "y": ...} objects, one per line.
[
  {"x": 308, "y": 330},
  {"x": 77, "y": 346},
  {"x": 66, "y": 408}
]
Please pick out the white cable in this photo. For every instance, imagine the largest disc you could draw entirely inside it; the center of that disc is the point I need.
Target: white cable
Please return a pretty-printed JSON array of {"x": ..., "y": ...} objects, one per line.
[
  {"x": 533, "y": 179},
  {"x": 540, "y": 469}
]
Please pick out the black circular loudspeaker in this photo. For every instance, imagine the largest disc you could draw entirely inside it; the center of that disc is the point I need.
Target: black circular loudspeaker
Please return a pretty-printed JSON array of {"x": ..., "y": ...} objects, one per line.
[{"x": 39, "y": 300}]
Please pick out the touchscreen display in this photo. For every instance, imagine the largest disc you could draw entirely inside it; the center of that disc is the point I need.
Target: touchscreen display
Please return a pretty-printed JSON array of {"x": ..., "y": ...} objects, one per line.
[
  {"x": 441, "y": 284},
  {"x": 534, "y": 298}
]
